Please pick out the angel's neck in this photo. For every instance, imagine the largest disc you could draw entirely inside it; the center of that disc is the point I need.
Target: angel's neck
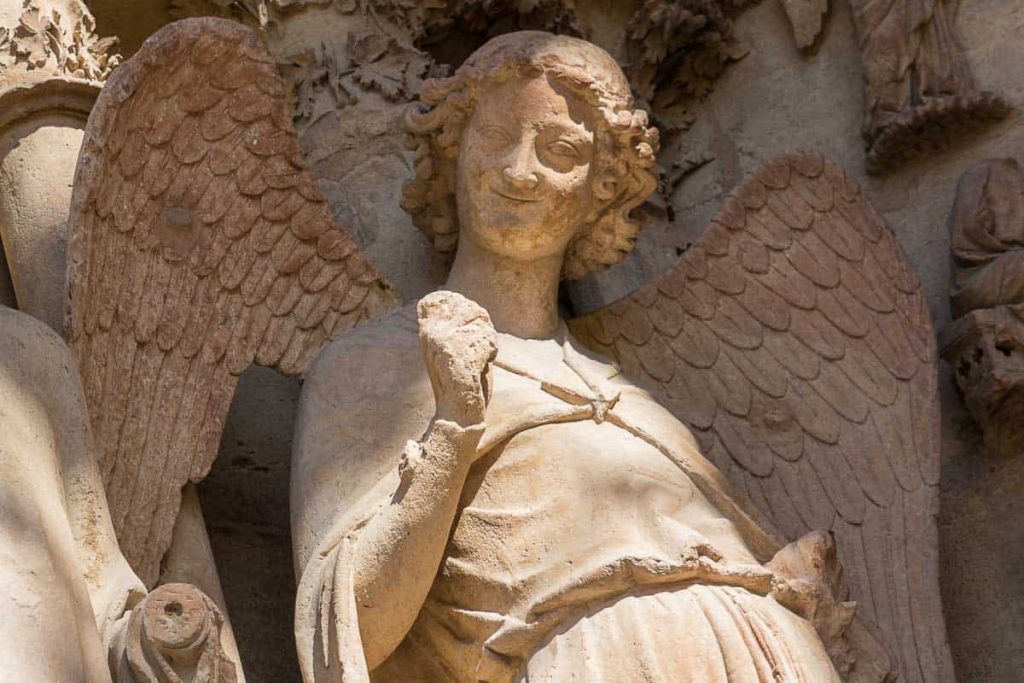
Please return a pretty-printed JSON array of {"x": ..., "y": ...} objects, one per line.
[{"x": 520, "y": 296}]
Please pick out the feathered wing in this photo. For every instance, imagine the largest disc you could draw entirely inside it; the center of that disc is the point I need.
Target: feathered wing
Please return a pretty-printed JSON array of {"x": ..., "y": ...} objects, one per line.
[
  {"x": 794, "y": 339},
  {"x": 199, "y": 243}
]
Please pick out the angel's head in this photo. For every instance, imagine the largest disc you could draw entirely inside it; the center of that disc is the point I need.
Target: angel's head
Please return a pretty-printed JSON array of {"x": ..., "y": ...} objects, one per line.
[{"x": 533, "y": 148}]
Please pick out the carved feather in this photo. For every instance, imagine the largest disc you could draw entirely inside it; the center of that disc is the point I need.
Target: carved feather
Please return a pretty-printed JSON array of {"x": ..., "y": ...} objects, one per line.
[
  {"x": 199, "y": 244},
  {"x": 802, "y": 352}
]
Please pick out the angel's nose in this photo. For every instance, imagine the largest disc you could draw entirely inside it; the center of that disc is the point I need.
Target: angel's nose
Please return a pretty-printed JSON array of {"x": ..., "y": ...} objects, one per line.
[{"x": 521, "y": 172}]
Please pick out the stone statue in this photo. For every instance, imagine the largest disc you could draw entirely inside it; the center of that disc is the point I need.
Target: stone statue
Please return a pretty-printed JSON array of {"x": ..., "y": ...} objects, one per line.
[
  {"x": 919, "y": 91},
  {"x": 776, "y": 386},
  {"x": 73, "y": 610},
  {"x": 556, "y": 520},
  {"x": 985, "y": 343}
]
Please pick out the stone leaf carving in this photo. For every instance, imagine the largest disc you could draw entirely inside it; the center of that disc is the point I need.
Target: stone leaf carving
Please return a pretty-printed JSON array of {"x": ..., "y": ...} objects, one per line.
[
  {"x": 677, "y": 49},
  {"x": 918, "y": 89},
  {"x": 60, "y": 43},
  {"x": 794, "y": 340},
  {"x": 199, "y": 244},
  {"x": 985, "y": 343}
]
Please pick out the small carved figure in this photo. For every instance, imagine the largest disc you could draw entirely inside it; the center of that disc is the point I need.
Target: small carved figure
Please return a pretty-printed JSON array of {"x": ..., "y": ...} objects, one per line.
[
  {"x": 555, "y": 521},
  {"x": 918, "y": 89},
  {"x": 73, "y": 610},
  {"x": 985, "y": 344},
  {"x": 919, "y": 93}
]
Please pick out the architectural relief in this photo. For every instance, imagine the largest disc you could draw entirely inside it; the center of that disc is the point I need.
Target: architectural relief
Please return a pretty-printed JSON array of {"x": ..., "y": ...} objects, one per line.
[
  {"x": 58, "y": 37},
  {"x": 648, "y": 396},
  {"x": 919, "y": 93},
  {"x": 73, "y": 608},
  {"x": 563, "y": 504},
  {"x": 985, "y": 343}
]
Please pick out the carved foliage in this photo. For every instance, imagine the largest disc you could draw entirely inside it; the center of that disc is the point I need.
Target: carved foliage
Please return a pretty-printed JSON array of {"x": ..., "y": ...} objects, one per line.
[
  {"x": 46, "y": 39},
  {"x": 677, "y": 49}
]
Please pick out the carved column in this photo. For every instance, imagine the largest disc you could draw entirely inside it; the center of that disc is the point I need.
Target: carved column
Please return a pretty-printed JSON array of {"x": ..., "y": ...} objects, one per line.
[{"x": 51, "y": 67}]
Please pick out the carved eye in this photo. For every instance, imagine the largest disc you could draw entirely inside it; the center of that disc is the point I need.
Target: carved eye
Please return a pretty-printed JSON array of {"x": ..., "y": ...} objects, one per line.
[
  {"x": 563, "y": 148},
  {"x": 494, "y": 134}
]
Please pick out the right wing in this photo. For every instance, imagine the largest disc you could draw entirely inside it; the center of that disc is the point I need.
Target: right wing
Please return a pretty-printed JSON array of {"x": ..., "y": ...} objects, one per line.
[
  {"x": 199, "y": 243},
  {"x": 794, "y": 340}
]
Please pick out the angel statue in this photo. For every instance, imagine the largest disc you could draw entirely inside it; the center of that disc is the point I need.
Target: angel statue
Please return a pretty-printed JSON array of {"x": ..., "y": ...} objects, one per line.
[
  {"x": 73, "y": 610},
  {"x": 610, "y": 499},
  {"x": 662, "y": 490}
]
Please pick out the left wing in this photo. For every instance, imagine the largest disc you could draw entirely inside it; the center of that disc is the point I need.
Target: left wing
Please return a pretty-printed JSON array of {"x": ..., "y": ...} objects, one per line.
[{"x": 199, "y": 243}]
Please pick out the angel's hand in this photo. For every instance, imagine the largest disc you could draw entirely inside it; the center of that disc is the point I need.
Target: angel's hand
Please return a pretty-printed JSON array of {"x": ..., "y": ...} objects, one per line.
[
  {"x": 176, "y": 628},
  {"x": 458, "y": 343}
]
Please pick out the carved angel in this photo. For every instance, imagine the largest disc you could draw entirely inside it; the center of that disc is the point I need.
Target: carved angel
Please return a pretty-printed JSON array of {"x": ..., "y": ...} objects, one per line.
[
  {"x": 73, "y": 610},
  {"x": 554, "y": 518},
  {"x": 552, "y": 498}
]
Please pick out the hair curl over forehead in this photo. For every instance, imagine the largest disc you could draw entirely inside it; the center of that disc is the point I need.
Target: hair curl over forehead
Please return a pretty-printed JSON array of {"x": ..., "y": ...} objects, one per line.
[{"x": 624, "y": 150}]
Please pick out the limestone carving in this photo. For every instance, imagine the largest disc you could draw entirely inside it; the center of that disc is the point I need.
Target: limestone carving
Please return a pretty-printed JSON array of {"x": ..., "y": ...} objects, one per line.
[
  {"x": 199, "y": 244},
  {"x": 985, "y": 343},
  {"x": 676, "y": 50},
  {"x": 918, "y": 89},
  {"x": 73, "y": 608},
  {"x": 794, "y": 340},
  {"x": 553, "y": 518}
]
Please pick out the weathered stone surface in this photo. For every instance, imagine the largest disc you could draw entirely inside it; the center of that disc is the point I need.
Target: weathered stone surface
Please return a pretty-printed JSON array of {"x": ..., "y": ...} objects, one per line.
[
  {"x": 508, "y": 489},
  {"x": 768, "y": 102},
  {"x": 73, "y": 608}
]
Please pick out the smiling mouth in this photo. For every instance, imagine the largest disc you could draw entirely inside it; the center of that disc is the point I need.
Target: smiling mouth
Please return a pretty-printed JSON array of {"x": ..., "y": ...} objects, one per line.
[{"x": 515, "y": 198}]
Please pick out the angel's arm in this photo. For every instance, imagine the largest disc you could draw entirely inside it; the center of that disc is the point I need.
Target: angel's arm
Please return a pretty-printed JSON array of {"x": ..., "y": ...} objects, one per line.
[
  {"x": 362, "y": 395},
  {"x": 401, "y": 548}
]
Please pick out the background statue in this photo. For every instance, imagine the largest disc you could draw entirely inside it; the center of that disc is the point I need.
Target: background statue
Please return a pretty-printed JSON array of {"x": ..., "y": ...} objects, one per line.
[
  {"x": 73, "y": 610},
  {"x": 985, "y": 343},
  {"x": 919, "y": 91},
  {"x": 554, "y": 519}
]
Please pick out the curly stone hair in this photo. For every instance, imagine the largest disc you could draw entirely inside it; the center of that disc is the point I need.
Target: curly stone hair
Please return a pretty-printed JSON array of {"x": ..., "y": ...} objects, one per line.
[{"x": 625, "y": 145}]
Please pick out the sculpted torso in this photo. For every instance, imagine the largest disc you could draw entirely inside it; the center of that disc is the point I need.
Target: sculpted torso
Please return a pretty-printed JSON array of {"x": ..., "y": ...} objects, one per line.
[
  {"x": 553, "y": 522},
  {"x": 42, "y": 440}
]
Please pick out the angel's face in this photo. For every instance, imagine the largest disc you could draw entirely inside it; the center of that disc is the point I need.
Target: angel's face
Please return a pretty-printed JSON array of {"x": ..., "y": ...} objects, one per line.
[{"x": 524, "y": 170}]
